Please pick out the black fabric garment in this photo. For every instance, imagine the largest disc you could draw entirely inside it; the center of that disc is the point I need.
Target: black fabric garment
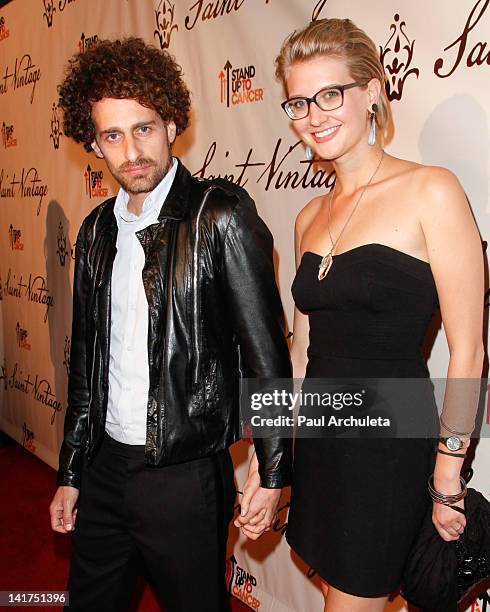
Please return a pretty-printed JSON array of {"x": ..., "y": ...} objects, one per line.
[
  {"x": 172, "y": 520},
  {"x": 357, "y": 504},
  {"x": 439, "y": 575}
]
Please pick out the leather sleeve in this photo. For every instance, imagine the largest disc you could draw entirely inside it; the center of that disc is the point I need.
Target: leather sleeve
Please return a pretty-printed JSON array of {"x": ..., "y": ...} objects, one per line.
[
  {"x": 75, "y": 430},
  {"x": 258, "y": 322}
]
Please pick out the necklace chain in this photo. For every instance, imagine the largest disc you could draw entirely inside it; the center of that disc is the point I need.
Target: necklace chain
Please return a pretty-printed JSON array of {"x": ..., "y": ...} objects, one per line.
[{"x": 327, "y": 260}]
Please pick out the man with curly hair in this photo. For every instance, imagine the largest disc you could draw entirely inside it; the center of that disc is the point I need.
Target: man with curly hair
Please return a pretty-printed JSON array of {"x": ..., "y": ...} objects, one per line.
[{"x": 174, "y": 298}]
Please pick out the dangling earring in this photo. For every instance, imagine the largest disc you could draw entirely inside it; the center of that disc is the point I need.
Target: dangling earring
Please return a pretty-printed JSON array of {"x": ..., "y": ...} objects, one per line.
[
  {"x": 372, "y": 129},
  {"x": 309, "y": 153}
]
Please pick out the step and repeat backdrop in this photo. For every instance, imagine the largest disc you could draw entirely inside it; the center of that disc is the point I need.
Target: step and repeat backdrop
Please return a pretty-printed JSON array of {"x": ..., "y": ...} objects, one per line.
[{"x": 437, "y": 60}]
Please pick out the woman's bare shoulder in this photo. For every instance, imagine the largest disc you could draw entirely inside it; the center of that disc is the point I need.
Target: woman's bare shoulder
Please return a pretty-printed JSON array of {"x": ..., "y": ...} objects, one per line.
[
  {"x": 436, "y": 186},
  {"x": 308, "y": 213},
  {"x": 425, "y": 182}
]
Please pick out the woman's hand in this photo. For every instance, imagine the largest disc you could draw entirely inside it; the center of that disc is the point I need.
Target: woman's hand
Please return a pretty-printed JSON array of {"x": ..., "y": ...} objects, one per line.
[{"x": 449, "y": 523}]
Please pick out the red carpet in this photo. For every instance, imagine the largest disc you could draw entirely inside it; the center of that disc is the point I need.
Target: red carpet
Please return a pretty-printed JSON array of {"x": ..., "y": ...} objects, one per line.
[{"x": 34, "y": 558}]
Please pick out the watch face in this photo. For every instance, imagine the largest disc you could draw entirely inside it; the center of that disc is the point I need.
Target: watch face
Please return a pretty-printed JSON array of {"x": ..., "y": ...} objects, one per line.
[{"x": 454, "y": 443}]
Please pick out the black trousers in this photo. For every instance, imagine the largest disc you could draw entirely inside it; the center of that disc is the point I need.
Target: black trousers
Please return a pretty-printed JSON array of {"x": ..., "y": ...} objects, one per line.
[{"x": 170, "y": 521}]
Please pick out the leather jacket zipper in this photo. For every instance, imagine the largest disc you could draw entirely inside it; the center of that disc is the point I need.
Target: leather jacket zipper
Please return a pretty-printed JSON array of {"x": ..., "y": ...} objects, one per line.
[
  {"x": 89, "y": 439},
  {"x": 196, "y": 339},
  {"x": 91, "y": 272}
]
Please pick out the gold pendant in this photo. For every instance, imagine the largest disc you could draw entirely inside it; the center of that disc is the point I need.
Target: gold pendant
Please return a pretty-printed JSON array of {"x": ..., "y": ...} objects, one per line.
[{"x": 325, "y": 266}]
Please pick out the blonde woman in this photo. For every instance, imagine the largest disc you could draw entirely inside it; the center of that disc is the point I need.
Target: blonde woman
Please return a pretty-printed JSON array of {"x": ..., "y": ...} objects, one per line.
[{"x": 375, "y": 257}]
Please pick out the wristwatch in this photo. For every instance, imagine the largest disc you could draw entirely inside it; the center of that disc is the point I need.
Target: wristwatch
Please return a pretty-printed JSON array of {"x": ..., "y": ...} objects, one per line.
[{"x": 453, "y": 443}]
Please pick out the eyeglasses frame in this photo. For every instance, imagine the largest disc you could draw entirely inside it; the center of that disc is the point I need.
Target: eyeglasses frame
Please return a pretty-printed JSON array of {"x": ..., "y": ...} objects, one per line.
[{"x": 341, "y": 88}]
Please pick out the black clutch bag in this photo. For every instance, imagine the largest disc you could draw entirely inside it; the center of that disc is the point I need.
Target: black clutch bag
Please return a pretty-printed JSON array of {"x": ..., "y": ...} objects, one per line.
[{"x": 439, "y": 575}]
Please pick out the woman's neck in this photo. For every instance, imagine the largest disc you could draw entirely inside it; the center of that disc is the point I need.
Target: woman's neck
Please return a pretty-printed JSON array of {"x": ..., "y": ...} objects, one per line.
[{"x": 355, "y": 168}]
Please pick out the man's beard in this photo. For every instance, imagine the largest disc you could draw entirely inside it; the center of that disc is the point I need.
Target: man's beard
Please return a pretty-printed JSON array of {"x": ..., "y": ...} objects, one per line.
[{"x": 141, "y": 184}]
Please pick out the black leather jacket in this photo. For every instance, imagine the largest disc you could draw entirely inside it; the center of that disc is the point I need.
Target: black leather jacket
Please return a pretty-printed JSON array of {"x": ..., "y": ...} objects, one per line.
[{"x": 214, "y": 313}]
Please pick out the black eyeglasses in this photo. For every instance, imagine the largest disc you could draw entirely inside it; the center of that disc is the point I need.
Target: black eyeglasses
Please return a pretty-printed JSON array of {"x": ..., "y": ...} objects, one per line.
[{"x": 326, "y": 99}]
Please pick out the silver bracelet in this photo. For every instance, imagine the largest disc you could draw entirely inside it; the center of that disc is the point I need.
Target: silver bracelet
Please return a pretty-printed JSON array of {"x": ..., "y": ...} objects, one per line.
[{"x": 441, "y": 498}]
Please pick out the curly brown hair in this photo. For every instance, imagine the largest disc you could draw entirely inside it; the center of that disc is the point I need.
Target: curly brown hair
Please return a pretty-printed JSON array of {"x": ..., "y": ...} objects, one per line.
[{"x": 127, "y": 68}]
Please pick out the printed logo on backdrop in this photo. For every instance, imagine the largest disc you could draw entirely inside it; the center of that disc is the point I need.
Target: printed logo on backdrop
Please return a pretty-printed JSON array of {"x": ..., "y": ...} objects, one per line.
[
  {"x": 15, "y": 239},
  {"x": 238, "y": 85},
  {"x": 8, "y": 138},
  {"x": 50, "y": 7},
  {"x": 281, "y": 521},
  {"x": 3, "y": 376},
  {"x": 66, "y": 355},
  {"x": 27, "y": 185},
  {"x": 61, "y": 246},
  {"x": 22, "y": 336},
  {"x": 396, "y": 57},
  {"x": 23, "y": 74},
  {"x": 241, "y": 584},
  {"x": 207, "y": 10},
  {"x": 465, "y": 49},
  {"x": 28, "y": 439},
  {"x": 4, "y": 32},
  {"x": 165, "y": 26},
  {"x": 94, "y": 187},
  {"x": 56, "y": 132},
  {"x": 61, "y": 250},
  {"x": 34, "y": 291},
  {"x": 483, "y": 599},
  {"x": 36, "y": 386},
  {"x": 280, "y": 171},
  {"x": 320, "y": 5},
  {"x": 86, "y": 42}
]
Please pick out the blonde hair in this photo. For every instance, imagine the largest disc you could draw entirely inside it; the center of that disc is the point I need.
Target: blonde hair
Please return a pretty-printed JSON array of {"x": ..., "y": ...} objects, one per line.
[{"x": 343, "y": 39}]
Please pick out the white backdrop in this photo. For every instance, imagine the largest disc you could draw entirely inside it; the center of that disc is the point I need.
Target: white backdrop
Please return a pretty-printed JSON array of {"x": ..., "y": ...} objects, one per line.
[{"x": 438, "y": 61}]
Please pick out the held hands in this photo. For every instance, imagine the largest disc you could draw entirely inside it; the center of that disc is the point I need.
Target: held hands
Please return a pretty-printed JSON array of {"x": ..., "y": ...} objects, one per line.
[
  {"x": 62, "y": 509},
  {"x": 258, "y": 505}
]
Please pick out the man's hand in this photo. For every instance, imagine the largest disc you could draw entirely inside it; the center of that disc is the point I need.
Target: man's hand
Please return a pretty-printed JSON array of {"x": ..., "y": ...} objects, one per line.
[
  {"x": 62, "y": 509},
  {"x": 258, "y": 505}
]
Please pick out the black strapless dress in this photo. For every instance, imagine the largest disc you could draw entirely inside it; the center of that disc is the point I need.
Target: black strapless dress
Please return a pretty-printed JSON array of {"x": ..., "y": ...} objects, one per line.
[{"x": 357, "y": 504}]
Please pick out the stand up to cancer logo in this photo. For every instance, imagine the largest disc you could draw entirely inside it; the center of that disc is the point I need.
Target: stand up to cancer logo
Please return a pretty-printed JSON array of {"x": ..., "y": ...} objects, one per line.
[
  {"x": 8, "y": 138},
  {"x": 94, "y": 187},
  {"x": 28, "y": 440},
  {"x": 238, "y": 85},
  {"x": 22, "y": 337},
  {"x": 4, "y": 32},
  {"x": 241, "y": 584},
  {"x": 15, "y": 239}
]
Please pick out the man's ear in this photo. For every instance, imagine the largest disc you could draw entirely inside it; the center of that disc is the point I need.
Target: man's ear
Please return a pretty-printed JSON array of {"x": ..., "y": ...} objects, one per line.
[
  {"x": 171, "y": 131},
  {"x": 97, "y": 150}
]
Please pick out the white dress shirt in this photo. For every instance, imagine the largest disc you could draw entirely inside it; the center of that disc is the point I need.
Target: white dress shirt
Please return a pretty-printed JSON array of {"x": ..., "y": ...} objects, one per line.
[{"x": 128, "y": 357}]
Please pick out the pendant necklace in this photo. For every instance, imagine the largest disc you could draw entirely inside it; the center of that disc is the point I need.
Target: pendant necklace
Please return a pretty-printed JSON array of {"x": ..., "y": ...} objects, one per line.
[{"x": 327, "y": 260}]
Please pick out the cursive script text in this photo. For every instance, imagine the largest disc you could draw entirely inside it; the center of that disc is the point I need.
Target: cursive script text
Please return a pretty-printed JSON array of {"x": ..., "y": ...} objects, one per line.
[
  {"x": 210, "y": 10},
  {"x": 24, "y": 74},
  {"x": 274, "y": 174},
  {"x": 29, "y": 185},
  {"x": 478, "y": 54}
]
